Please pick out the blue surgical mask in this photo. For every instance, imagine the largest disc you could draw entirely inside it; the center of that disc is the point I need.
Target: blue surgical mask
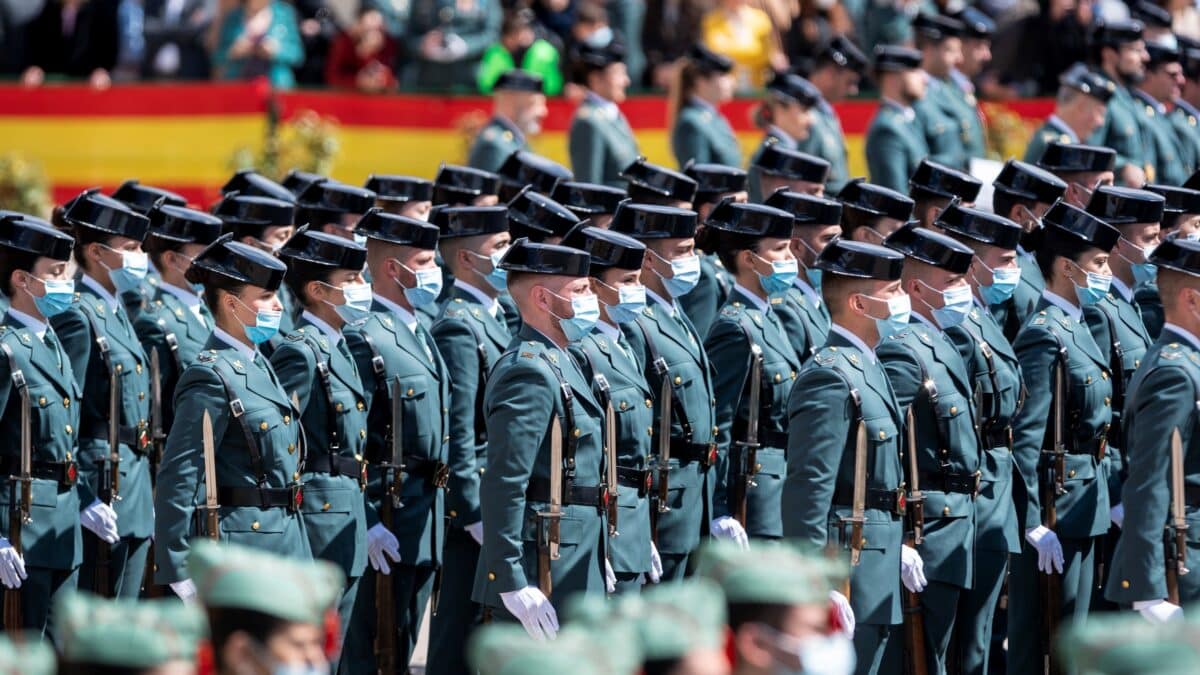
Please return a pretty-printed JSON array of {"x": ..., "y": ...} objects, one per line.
[
  {"x": 357, "y": 305},
  {"x": 783, "y": 273},
  {"x": 813, "y": 274},
  {"x": 1096, "y": 289},
  {"x": 631, "y": 300},
  {"x": 1143, "y": 272},
  {"x": 134, "y": 267},
  {"x": 58, "y": 298},
  {"x": 899, "y": 311},
  {"x": 1192, "y": 236},
  {"x": 278, "y": 668},
  {"x": 266, "y": 324},
  {"x": 360, "y": 239},
  {"x": 956, "y": 304},
  {"x": 599, "y": 37},
  {"x": 428, "y": 288},
  {"x": 685, "y": 274},
  {"x": 1004, "y": 283},
  {"x": 585, "y": 312},
  {"x": 497, "y": 278}
]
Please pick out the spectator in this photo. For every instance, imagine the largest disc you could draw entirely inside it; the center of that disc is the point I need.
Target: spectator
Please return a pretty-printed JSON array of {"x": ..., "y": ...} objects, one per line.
[
  {"x": 591, "y": 27},
  {"x": 449, "y": 37},
  {"x": 321, "y": 21},
  {"x": 744, "y": 34},
  {"x": 889, "y": 22},
  {"x": 131, "y": 40},
  {"x": 670, "y": 29},
  {"x": 520, "y": 44},
  {"x": 626, "y": 17},
  {"x": 361, "y": 56},
  {"x": 260, "y": 39},
  {"x": 555, "y": 18},
  {"x": 174, "y": 31},
  {"x": 1057, "y": 35},
  {"x": 73, "y": 38},
  {"x": 1185, "y": 18},
  {"x": 814, "y": 26}
]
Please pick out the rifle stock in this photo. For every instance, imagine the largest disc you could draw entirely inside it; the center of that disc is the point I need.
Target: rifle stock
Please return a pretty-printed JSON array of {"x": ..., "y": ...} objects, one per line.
[{"x": 22, "y": 501}]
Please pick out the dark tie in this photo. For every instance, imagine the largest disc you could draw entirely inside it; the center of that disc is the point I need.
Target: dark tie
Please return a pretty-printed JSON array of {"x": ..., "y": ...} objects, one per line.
[{"x": 52, "y": 343}]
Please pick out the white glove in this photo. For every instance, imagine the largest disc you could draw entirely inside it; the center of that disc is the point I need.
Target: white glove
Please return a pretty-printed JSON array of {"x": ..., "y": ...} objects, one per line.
[
  {"x": 12, "y": 565},
  {"x": 533, "y": 609},
  {"x": 381, "y": 545},
  {"x": 476, "y": 532},
  {"x": 1050, "y": 554},
  {"x": 912, "y": 569},
  {"x": 456, "y": 47},
  {"x": 656, "y": 568},
  {"x": 610, "y": 578},
  {"x": 186, "y": 590},
  {"x": 726, "y": 527},
  {"x": 101, "y": 520},
  {"x": 845, "y": 613},
  {"x": 1158, "y": 611},
  {"x": 1117, "y": 515}
]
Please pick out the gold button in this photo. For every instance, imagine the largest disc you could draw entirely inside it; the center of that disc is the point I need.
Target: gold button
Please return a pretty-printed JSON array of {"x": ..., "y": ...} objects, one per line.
[
  {"x": 650, "y": 430},
  {"x": 141, "y": 396},
  {"x": 778, "y": 377},
  {"x": 41, "y": 400},
  {"x": 865, "y": 542},
  {"x": 338, "y": 407},
  {"x": 360, "y": 405},
  {"x": 66, "y": 403},
  {"x": 296, "y": 476},
  {"x": 1088, "y": 380},
  {"x": 575, "y": 432},
  {"x": 1137, "y": 362},
  {"x": 358, "y": 458},
  {"x": 287, "y": 419},
  {"x": 491, "y": 576},
  {"x": 953, "y": 410},
  {"x": 68, "y": 456},
  {"x": 453, "y": 513},
  {"x": 291, "y": 448},
  {"x": 624, "y": 405},
  {"x": 120, "y": 367},
  {"x": 1124, "y": 583},
  {"x": 678, "y": 380},
  {"x": 793, "y": 375},
  {"x": 482, "y": 470},
  {"x": 362, "y": 433},
  {"x": 446, "y": 438},
  {"x": 945, "y": 510},
  {"x": 1107, "y": 401},
  {"x": 758, "y": 467},
  {"x": 882, "y": 435},
  {"x": 411, "y": 391},
  {"x": 138, "y": 368},
  {"x": 254, "y": 526},
  {"x": 648, "y": 403},
  {"x": 1071, "y": 473},
  {"x": 1104, "y": 374},
  {"x": 263, "y": 426},
  {"x": 69, "y": 430},
  {"x": 325, "y": 506}
]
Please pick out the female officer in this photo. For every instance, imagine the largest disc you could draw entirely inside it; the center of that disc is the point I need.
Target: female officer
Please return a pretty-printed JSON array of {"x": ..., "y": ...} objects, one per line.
[{"x": 699, "y": 132}]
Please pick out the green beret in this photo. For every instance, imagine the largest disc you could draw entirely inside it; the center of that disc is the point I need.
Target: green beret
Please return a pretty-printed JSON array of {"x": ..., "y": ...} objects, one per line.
[
  {"x": 235, "y": 577},
  {"x": 673, "y": 620},
  {"x": 25, "y": 654},
  {"x": 506, "y": 649},
  {"x": 772, "y": 573},
  {"x": 1127, "y": 644},
  {"x": 126, "y": 633},
  {"x": 602, "y": 618}
]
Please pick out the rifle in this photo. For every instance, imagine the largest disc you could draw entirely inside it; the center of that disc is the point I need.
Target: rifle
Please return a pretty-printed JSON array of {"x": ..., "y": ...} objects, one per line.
[
  {"x": 1176, "y": 559},
  {"x": 22, "y": 504},
  {"x": 665, "y": 399},
  {"x": 1052, "y": 487},
  {"x": 748, "y": 448},
  {"x": 914, "y": 621},
  {"x": 858, "y": 504},
  {"x": 158, "y": 440},
  {"x": 550, "y": 517},
  {"x": 393, "y": 480},
  {"x": 110, "y": 477},
  {"x": 610, "y": 454}
]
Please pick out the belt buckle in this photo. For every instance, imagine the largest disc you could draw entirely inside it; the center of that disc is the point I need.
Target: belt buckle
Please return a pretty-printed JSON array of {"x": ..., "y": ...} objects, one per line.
[
  {"x": 70, "y": 474},
  {"x": 901, "y": 501},
  {"x": 295, "y": 497},
  {"x": 440, "y": 476}
]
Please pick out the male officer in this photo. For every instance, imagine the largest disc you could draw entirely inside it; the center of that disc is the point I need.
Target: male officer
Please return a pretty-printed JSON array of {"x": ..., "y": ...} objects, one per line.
[
  {"x": 870, "y": 213},
  {"x": 748, "y": 348},
  {"x": 803, "y": 313},
  {"x": 264, "y": 223},
  {"x": 1082, "y": 167},
  {"x": 666, "y": 342},
  {"x": 518, "y": 108},
  {"x": 123, "y": 636},
  {"x": 34, "y": 260},
  {"x": 534, "y": 391},
  {"x": 538, "y": 218},
  {"x": 940, "y": 113},
  {"x": 1181, "y": 218},
  {"x": 934, "y": 186},
  {"x": 1023, "y": 193},
  {"x": 978, "y": 30},
  {"x": 777, "y": 167},
  {"x": 1055, "y": 343},
  {"x": 141, "y": 198},
  {"x": 248, "y": 182},
  {"x": 333, "y": 208},
  {"x": 1160, "y": 401},
  {"x": 607, "y": 359},
  {"x": 254, "y": 425},
  {"x": 471, "y": 334},
  {"x": 895, "y": 138},
  {"x": 600, "y": 141},
  {"x": 842, "y": 400},
  {"x": 296, "y": 181},
  {"x": 315, "y": 366},
  {"x": 715, "y": 183},
  {"x": 1184, "y": 116},
  {"x": 100, "y": 342},
  {"x": 837, "y": 69},
  {"x": 1119, "y": 56},
  {"x": 930, "y": 379},
  {"x": 402, "y": 195},
  {"x": 649, "y": 183},
  {"x": 464, "y": 186},
  {"x": 524, "y": 169},
  {"x": 1160, "y": 86},
  {"x": 992, "y": 370},
  {"x": 391, "y": 348},
  {"x": 786, "y": 109},
  {"x": 1079, "y": 109},
  {"x": 591, "y": 201}
]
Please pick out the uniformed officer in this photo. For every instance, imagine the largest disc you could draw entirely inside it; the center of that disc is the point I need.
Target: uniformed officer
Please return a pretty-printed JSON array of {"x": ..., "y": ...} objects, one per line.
[
  {"x": 680, "y": 627},
  {"x": 803, "y": 313},
  {"x": 649, "y": 183},
  {"x": 895, "y": 138},
  {"x": 296, "y": 181},
  {"x": 978, "y": 30},
  {"x": 34, "y": 261},
  {"x": 1023, "y": 193},
  {"x": 523, "y": 168},
  {"x": 100, "y": 342},
  {"x": 941, "y": 113},
  {"x": 1160, "y": 401},
  {"x": 390, "y": 347},
  {"x": 518, "y": 108},
  {"x": 1073, "y": 258},
  {"x": 1082, "y": 167},
  {"x": 591, "y": 201},
  {"x": 1159, "y": 87},
  {"x": 444, "y": 41},
  {"x": 715, "y": 182},
  {"x": 929, "y": 378},
  {"x": 1156, "y": 20},
  {"x": 837, "y": 69},
  {"x": 600, "y": 141},
  {"x": 464, "y": 186},
  {"x": 402, "y": 195},
  {"x": 934, "y": 186},
  {"x": 786, "y": 118},
  {"x": 754, "y": 244},
  {"x": 993, "y": 371},
  {"x": 871, "y": 213},
  {"x": 1119, "y": 56},
  {"x": 538, "y": 218},
  {"x": 125, "y": 636},
  {"x": 1184, "y": 116},
  {"x": 141, "y": 198},
  {"x": 250, "y": 183},
  {"x": 471, "y": 334},
  {"x": 314, "y": 365},
  {"x": 608, "y": 361},
  {"x": 255, "y": 427},
  {"x": 266, "y": 613},
  {"x": 1181, "y": 218},
  {"x": 264, "y": 223},
  {"x": 699, "y": 132},
  {"x": 841, "y": 394},
  {"x": 334, "y": 208},
  {"x": 776, "y": 167},
  {"x": 1126, "y": 645},
  {"x": 501, "y": 649},
  {"x": 536, "y": 390},
  {"x": 667, "y": 343},
  {"x": 1079, "y": 110}
]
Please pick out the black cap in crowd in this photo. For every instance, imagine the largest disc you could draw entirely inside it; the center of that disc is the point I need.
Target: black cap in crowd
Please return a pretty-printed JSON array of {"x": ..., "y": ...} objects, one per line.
[
  {"x": 588, "y": 58},
  {"x": 251, "y": 183},
  {"x": 471, "y": 221},
  {"x": 535, "y": 216},
  {"x": 842, "y": 51},
  {"x": 229, "y": 264},
  {"x": 296, "y": 181},
  {"x": 708, "y": 61},
  {"x": 1067, "y": 229},
  {"x": 1077, "y": 158},
  {"x": 806, "y": 209},
  {"x": 518, "y": 80},
  {"x": 867, "y": 198},
  {"x": 1161, "y": 54},
  {"x": 1190, "y": 56},
  {"x": 328, "y": 200},
  {"x": 1083, "y": 79},
  {"x": 183, "y": 225},
  {"x": 714, "y": 180},
  {"x": 896, "y": 59},
  {"x": 1123, "y": 206},
  {"x": 535, "y": 258},
  {"x": 976, "y": 24},
  {"x": 1178, "y": 254},
  {"x": 1116, "y": 33},
  {"x": 980, "y": 226},
  {"x": 937, "y": 27},
  {"x": 248, "y": 216},
  {"x": 649, "y": 181},
  {"x": 588, "y": 199},
  {"x": 1020, "y": 180},
  {"x": 396, "y": 229},
  {"x": 931, "y": 179},
  {"x": 777, "y": 160},
  {"x": 931, "y": 248},
  {"x": 399, "y": 189},
  {"x": 735, "y": 226},
  {"x": 95, "y": 211},
  {"x": 142, "y": 198},
  {"x": 861, "y": 260},
  {"x": 795, "y": 88},
  {"x": 322, "y": 252},
  {"x": 1150, "y": 14},
  {"x": 523, "y": 168},
  {"x": 650, "y": 221},
  {"x": 607, "y": 249},
  {"x": 1177, "y": 200},
  {"x": 20, "y": 232},
  {"x": 456, "y": 184}
]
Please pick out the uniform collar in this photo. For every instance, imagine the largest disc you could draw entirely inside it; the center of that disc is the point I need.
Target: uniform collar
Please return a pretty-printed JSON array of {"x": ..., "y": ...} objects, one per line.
[
  {"x": 667, "y": 304},
  {"x": 35, "y": 326},
  {"x": 1060, "y": 124},
  {"x": 927, "y": 323},
  {"x": 408, "y": 318},
  {"x": 807, "y": 289},
  {"x": 237, "y": 344},
  {"x": 100, "y": 290},
  {"x": 503, "y": 121},
  {"x": 702, "y": 104},
  {"x": 854, "y": 340},
  {"x": 905, "y": 110},
  {"x": 492, "y": 304},
  {"x": 781, "y": 135},
  {"x": 608, "y": 329},
  {"x": 1072, "y": 310},
  {"x": 962, "y": 81},
  {"x": 759, "y": 304},
  {"x": 606, "y": 106},
  {"x": 1149, "y": 100},
  {"x": 1120, "y": 287},
  {"x": 1186, "y": 334},
  {"x": 1187, "y": 107},
  {"x": 188, "y": 298},
  {"x": 333, "y": 335}
]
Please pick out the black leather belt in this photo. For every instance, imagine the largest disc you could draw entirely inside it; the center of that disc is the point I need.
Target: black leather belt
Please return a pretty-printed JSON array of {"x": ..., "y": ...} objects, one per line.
[
  {"x": 1000, "y": 437},
  {"x": 961, "y": 483},
  {"x": 635, "y": 478},
  {"x": 1096, "y": 447},
  {"x": 136, "y": 438},
  {"x": 892, "y": 501},
  {"x": 587, "y": 495},
  {"x": 66, "y": 474},
  {"x": 338, "y": 465},
  {"x": 684, "y": 451},
  {"x": 435, "y": 472},
  {"x": 773, "y": 439},
  {"x": 289, "y": 498},
  {"x": 1191, "y": 495}
]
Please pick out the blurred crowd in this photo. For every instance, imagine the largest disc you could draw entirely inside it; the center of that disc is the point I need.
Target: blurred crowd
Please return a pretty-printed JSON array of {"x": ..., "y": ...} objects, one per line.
[{"x": 464, "y": 45}]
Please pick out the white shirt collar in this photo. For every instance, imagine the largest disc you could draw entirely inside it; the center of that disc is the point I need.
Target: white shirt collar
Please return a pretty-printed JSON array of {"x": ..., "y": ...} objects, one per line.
[
  {"x": 608, "y": 329},
  {"x": 37, "y": 327},
  {"x": 404, "y": 315},
  {"x": 1195, "y": 342},
  {"x": 759, "y": 304},
  {"x": 1062, "y": 125},
  {"x": 1072, "y": 310},
  {"x": 667, "y": 304},
  {"x": 868, "y": 353},
  {"x": 228, "y": 339},
  {"x": 492, "y": 304},
  {"x": 99, "y": 290},
  {"x": 928, "y": 324},
  {"x": 807, "y": 289},
  {"x": 186, "y": 296},
  {"x": 328, "y": 330},
  {"x": 604, "y": 104},
  {"x": 1120, "y": 287}
]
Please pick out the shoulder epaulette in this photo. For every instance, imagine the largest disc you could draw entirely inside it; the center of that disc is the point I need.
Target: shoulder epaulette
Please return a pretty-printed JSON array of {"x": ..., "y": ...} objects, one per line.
[
  {"x": 207, "y": 356},
  {"x": 296, "y": 336}
]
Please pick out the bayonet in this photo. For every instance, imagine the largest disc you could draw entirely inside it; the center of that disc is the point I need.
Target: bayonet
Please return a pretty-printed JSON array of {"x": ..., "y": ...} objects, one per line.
[
  {"x": 748, "y": 447},
  {"x": 665, "y": 401},
  {"x": 1177, "y": 563},
  {"x": 916, "y": 498},
  {"x": 550, "y": 517},
  {"x": 211, "y": 508},
  {"x": 858, "y": 506}
]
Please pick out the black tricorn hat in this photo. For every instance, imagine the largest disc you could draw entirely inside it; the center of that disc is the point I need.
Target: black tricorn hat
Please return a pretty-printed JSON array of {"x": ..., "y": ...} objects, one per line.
[
  {"x": 248, "y": 216},
  {"x": 939, "y": 180},
  {"x": 535, "y": 216},
  {"x": 1076, "y": 158},
  {"x": 325, "y": 252},
  {"x": 777, "y": 160},
  {"x": 607, "y": 249},
  {"x": 391, "y": 188},
  {"x": 471, "y": 221},
  {"x": 937, "y": 27},
  {"x": 981, "y": 226},
  {"x": 1067, "y": 226},
  {"x": 894, "y": 58},
  {"x": 931, "y": 248},
  {"x": 250, "y": 183},
  {"x": 1081, "y": 78},
  {"x": 976, "y": 24},
  {"x": 876, "y": 200},
  {"x": 518, "y": 80},
  {"x": 794, "y": 87},
  {"x": 1025, "y": 181},
  {"x": 588, "y": 199},
  {"x": 650, "y": 181},
  {"x": 1178, "y": 200},
  {"x": 397, "y": 229},
  {"x": 1150, "y": 14},
  {"x": 297, "y": 181},
  {"x": 737, "y": 224},
  {"x": 141, "y": 198},
  {"x": 327, "y": 200},
  {"x": 95, "y": 211},
  {"x": 534, "y": 258},
  {"x": 183, "y": 225},
  {"x": 650, "y": 221},
  {"x": 28, "y": 234},
  {"x": 858, "y": 259},
  {"x": 229, "y": 264},
  {"x": 708, "y": 61},
  {"x": 523, "y": 168},
  {"x": 1122, "y": 206},
  {"x": 1116, "y": 33},
  {"x": 456, "y": 184},
  {"x": 1179, "y": 254},
  {"x": 714, "y": 180},
  {"x": 842, "y": 51},
  {"x": 806, "y": 209}
]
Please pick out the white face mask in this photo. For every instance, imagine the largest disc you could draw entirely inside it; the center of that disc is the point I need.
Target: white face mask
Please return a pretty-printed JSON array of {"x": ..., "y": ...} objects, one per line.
[{"x": 818, "y": 654}]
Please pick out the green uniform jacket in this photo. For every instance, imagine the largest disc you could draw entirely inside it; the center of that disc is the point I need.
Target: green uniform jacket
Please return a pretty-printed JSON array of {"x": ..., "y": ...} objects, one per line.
[
  {"x": 827, "y": 141},
  {"x": 805, "y": 319},
  {"x": 1121, "y": 131},
  {"x": 702, "y": 303},
  {"x": 1083, "y": 509},
  {"x": 923, "y": 354},
  {"x": 523, "y": 395},
  {"x": 939, "y": 116},
  {"x": 53, "y": 538},
  {"x": 995, "y": 373},
  {"x": 1014, "y": 313},
  {"x": 895, "y": 146},
  {"x": 1185, "y": 121},
  {"x": 689, "y": 484},
  {"x": 613, "y": 358},
  {"x": 471, "y": 341},
  {"x": 477, "y": 22},
  {"x": 601, "y": 144},
  {"x": 77, "y": 330},
  {"x": 970, "y": 120},
  {"x": 1164, "y": 149},
  {"x": 269, "y": 418},
  {"x": 741, "y": 324},
  {"x": 703, "y": 135},
  {"x": 1162, "y": 397},
  {"x": 753, "y": 179},
  {"x": 494, "y": 144},
  {"x": 1049, "y": 132},
  {"x": 165, "y": 320},
  {"x": 823, "y": 424},
  {"x": 334, "y": 508},
  {"x": 1149, "y": 304}
]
